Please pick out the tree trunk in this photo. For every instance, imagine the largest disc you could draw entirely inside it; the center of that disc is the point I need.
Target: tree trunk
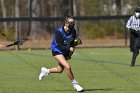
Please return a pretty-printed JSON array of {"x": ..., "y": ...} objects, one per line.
[
  {"x": 119, "y": 7},
  {"x": 35, "y": 25},
  {"x": 4, "y": 13},
  {"x": 17, "y": 24}
]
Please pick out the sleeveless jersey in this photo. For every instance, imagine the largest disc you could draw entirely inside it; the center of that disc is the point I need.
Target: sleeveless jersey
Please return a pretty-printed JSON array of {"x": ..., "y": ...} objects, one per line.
[{"x": 54, "y": 46}]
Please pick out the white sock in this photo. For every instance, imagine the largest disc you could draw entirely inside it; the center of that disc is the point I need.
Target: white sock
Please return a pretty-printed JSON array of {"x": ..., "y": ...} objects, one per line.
[
  {"x": 48, "y": 70},
  {"x": 74, "y": 82}
]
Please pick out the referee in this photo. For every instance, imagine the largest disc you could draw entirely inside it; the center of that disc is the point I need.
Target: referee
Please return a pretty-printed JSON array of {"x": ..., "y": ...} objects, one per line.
[{"x": 133, "y": 25}]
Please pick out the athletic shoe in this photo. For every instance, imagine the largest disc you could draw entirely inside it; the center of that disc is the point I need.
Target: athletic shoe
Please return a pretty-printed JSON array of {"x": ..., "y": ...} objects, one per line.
[
  {"x": 77, "y": 87},
  {"x": 44, "y": 72}
]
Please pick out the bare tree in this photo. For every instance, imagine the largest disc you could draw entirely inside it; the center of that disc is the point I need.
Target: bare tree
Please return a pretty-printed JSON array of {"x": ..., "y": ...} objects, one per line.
[
  {"x": 17, "y": 25},
  {"x": 4, "y": 13},
  {"x": 118, "y": 7},
  {"x": 36, "y": 27}
]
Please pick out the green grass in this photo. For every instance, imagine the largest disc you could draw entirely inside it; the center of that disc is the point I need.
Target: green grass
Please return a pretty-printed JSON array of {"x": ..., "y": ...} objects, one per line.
[{"x": 98, "y": 70}]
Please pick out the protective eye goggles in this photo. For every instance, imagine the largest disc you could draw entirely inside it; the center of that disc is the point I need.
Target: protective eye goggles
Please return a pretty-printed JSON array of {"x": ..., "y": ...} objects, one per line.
[{"x": 70, "y": 23}]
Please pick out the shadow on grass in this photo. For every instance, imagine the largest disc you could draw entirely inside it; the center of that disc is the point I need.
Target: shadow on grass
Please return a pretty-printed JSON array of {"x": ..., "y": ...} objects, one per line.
[
  {"x": 100, "y": 89},
  {"x": 85, "y": 90},
  {"x": 62, "y": 90},
  {"x": 137, "y": 65}
]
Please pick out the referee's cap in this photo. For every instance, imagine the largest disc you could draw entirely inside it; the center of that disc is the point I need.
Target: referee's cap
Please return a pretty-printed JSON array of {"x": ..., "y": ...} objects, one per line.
[{"x": 137, "y": 9}]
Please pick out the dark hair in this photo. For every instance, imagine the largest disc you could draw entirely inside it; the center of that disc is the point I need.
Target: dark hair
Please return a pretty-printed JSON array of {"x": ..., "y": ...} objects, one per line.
[
  {"x": 137, "y": 9},
  {"x": 68, "y": 17}
]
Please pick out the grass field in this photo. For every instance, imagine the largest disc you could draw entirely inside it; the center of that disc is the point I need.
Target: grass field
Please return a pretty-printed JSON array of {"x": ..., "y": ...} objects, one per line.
[{"x": 98, "y": 70}]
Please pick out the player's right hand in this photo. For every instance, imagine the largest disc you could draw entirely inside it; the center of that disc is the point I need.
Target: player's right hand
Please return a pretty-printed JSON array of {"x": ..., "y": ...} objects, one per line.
[{"x": 71, "y": 49}]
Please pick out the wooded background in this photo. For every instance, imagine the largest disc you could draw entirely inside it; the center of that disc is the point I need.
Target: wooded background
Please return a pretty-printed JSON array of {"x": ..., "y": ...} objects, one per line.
[{"x": 87, "y": 29}]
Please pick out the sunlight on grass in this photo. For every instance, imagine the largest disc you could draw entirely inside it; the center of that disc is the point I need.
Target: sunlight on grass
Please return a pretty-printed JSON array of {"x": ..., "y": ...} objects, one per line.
[{"x": 98, "y": 70}]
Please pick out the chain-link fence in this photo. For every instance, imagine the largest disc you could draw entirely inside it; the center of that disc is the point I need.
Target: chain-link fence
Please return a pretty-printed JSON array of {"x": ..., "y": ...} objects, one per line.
[{"x": 99, "y": 23}]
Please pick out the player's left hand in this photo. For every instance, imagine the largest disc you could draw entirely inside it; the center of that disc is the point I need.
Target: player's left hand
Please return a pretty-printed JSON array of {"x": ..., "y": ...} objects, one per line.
[{"x": 77, "y": 41}]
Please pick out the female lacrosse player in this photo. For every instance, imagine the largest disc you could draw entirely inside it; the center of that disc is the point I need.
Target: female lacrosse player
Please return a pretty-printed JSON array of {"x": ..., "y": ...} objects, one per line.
[{"x": 61, "y": 48}]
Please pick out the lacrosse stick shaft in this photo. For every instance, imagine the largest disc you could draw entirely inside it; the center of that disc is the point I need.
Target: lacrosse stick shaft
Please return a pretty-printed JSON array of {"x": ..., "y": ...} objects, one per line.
[
  {"x": 19, "y": 42},
  {"x": 10, "y": 45}
]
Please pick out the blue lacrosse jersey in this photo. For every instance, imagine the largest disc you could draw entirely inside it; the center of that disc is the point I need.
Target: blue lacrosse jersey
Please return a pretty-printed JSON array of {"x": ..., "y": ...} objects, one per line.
[{"x": 54, "y": 46}]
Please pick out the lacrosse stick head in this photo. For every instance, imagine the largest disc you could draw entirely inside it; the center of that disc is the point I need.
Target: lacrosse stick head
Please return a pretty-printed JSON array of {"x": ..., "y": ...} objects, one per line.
[
  {"x": 77, "y": 41},
  {"x": 20, "y": 41}
]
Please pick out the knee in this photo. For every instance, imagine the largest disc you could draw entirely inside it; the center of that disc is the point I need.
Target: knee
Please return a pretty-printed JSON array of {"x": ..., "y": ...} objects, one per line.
[{"x": 68, "y": 67}]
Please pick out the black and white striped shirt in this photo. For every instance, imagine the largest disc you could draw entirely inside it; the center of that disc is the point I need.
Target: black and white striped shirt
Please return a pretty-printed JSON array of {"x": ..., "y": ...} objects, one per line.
[{"x": 133, "y": 23}]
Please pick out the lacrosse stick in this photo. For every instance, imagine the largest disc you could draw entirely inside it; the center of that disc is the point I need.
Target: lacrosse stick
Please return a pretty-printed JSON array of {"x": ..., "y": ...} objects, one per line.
[
  {"x": 76, "y": 41},
  {"x": 18, "y": 42}
]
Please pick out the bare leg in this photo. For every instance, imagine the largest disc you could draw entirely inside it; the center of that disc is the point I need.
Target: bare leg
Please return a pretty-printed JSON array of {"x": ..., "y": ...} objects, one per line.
[
  {"x": 62, "y": 64},
  {"x": 65, "y": 64},
  {"x": 58, "y": 69}
]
